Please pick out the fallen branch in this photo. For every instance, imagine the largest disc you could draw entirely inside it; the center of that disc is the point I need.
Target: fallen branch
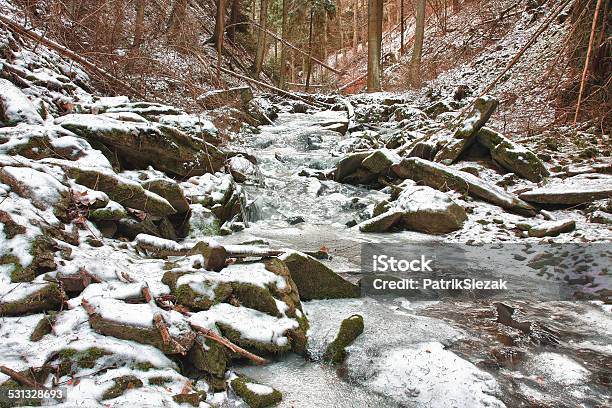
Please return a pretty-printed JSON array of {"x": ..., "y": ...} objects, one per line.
[
  {"x": 165, "y": 334},
  {"x": 209, "y": 334},
  {"x": 21, "y": 379},
  {"x": 587, "y": 59},
  {"x": 146, "y": 292},
  {"x": 88, "y": 307},
  {"x": 23, "y": 31}
]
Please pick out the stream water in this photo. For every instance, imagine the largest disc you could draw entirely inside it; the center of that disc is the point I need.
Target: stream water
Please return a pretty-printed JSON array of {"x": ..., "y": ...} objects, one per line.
[{"x": 449, "y": 353}]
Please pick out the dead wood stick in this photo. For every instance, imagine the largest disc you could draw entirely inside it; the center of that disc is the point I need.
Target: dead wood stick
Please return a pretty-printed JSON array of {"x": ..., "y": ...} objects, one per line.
[
  {"x": 88, "y": 307},
  {"x": 23, "y": 31},
  {"x": 146, "y": 292},
  {"x": 20, "y": 378},
  {"x": 165, "y": 334},
  {"x": 587, "y": 59},
  {"x": 209, "y": 334}
]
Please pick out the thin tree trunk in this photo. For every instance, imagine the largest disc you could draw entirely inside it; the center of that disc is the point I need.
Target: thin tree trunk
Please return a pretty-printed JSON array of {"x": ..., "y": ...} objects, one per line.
[
  {"x": 139, "y": 25},
  {"x": 417, "y": 51},
  {"x": 261, "y": 39},
  {"x": 340, "y": 29},
  {"x": 282, "y": 74},
  {"x": 219, "y": 29},
  {"x": 309, "y": 66},
  {"x": 234, "y": 15},
  {"x": 456, "y": 6},
  {"x": 375, "y": 18},
  {"x": 177, "y": 14},
  {"x": 402, "y": 28}
]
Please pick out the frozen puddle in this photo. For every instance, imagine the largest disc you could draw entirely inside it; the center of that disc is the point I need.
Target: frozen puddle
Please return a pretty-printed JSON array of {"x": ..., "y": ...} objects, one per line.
[{"x": 399, "y": 360}]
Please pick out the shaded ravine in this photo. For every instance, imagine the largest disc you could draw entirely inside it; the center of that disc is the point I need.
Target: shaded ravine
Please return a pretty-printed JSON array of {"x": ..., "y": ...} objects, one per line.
[{"x": 414, "y": 354}]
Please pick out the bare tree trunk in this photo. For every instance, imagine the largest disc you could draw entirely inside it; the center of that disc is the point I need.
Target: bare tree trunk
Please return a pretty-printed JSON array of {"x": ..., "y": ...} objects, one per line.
[
  {"x": 402, "y": 28},
  {"x": 261, "y": 39},
  {"x": 282, "y": 72},
  {"x": 234, "y": 16},
  {"x": 417, "y": 51},
  {"x": 340, "y": 29},
  {"x": 355, "y": 32},
  {"x": 139, "y": 24},
  {"x": 309, "y": 62},
  {"x": 375, "y": 18},
  {"x": 219, "y": 29},
  {"x": 456, "y": 6}
]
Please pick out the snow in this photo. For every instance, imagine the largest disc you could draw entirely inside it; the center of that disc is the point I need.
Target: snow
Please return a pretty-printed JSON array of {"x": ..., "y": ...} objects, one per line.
[
  {"x": 259, "y": 389},
  {"x": 251, "y": 324},
  {"x": 14, "y": 292},
  {"x": 15, "y": 106},
  {"x": 423, "y": 198},
  {"x": 42, "y": 189},
  {"x": 428, "y": 375},
  {"x": 558, "y": 368}
]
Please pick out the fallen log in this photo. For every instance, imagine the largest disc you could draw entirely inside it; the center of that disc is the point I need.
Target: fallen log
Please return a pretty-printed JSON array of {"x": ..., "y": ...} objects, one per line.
[
  {"x": 209, "y": 334},
  {"x": 21, "y": 379}
]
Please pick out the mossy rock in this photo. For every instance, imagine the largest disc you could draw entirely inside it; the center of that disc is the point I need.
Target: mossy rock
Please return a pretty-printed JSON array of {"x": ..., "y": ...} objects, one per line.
[
  {"x": 252, "y": 345},
  {"x": 186, "y": 296},
  {"x": 83, "y": 359},
  {"x": 170, "y": 277},
  {"x": 349, "y": 165},
  {"x": 10, "y": 228},
  {"x": 255, "y": 297},
  {"x": 143, "y": 335},
  {"x": 209, "y": 356},
  {"x": 122, "y": 384},
  {"x": 43, "y": 327},
  {"x": 192, "y": 399},
  {"x": 171, "y": 191},
  {"x": 316, "y": 281},
  {"x": 108, "y": 213},
  {"x": 48, "y": 297},
  {"x": 350, "y": 329},
  {"x": 252, "y": 394},
  {"x": 42, "y": 249},
  {"x": 160, "y": 380}
]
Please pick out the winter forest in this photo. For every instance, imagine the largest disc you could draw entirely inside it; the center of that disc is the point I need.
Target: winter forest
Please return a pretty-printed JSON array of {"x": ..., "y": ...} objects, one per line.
[{"x": 305, "y": 203}]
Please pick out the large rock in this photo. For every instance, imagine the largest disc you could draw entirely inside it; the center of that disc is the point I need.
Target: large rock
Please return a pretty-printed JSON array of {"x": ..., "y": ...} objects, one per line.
[
  {"x": 349, "y": 164},
  {"x": 380, "y": 161},
  {"x": 254, "y": 394},
  {"x": 171, "y": 191},
  {"x": 23, "y": 298},
  {"x": 350, "y": 329},
  {"x": 40, "y": 188},
  {"x": 315, "y": 280},
  {"x": 125, "y": 192},
  {"x": 383, "y": 222},
  {"x": 582, "y": 189},
  {"x": 552, "y": 228},
  {"x": 441, "y": 177},
  {"x": 466, "y": 134},
  {"x": 15, "y": 107},
  {"x": 146, "y": 144},
  {"x": 511, "y": 156}
]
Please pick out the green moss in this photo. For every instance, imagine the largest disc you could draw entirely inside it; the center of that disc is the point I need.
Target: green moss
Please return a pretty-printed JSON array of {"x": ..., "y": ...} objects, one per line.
[
  {"x": 88, "y": 358},
  {"x": 49, "y": 297},
  {"x": 171, "y": 277},
  {"x": 255, "y": 297},
  {"x": 43, "y": 327},
  {"x": 19, "y": 273},
  {"x": 206, "y": 229},
  {"x": 350, "y": 329},
  {"x": 252, "y": 345},
  {"x": 160, "y": 380},
  {"x": 144, "y": 366},
  {"x": 190, "y": 298},
  {"x": 254, "y": 400},
  {"x": 192, "y": 399},
  {"x": 121, "y": 385},
  {"x": 209, "y": 356}
]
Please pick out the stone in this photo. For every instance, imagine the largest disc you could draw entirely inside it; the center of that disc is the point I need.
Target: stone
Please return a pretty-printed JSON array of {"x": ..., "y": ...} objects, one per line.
[
  {"x": 112, "y": 212},
  {"x": 466, "y": 135},
  {"x": 15, "y": 107},
  {"x": 552, "y": 228},
  {"x": 513, "y": 157},
  {"x": 192, "y": 398},
  {"x": 24, "y": 298},
  {"x": 350, "y": 329},
  {"x": 255, "y": 395},
  {"x": 315, "y": 280},
  {"x": 209, "y": 356},
  {"x": 601, "y": 217},
  {"x": 440, "y": 177},
  {"x": 171, "y": 191},
  {"x": 431, "y": 211},
  {"x": 581, "y": 189},
  {"x": 122, "y": 384},
  {"x": 380, "y": 161},
  {"x": 383, "y": 222},
  {"x": 349, "y": 164}
]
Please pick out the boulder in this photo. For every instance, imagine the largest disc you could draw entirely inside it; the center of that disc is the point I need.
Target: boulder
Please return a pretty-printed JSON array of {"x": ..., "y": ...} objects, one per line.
[
  {"x": 209, "y": 356},
  {"x": 121, "y": 385},
  {"x": 383, "y": 222},
  {"x": 113, "y": 211},
  {"x": 440, "y": 177},
  {"x": 125, "y": 192},
  {"x": 349, "y": 165},
  {"x": 43, "y": 190},
  {"x": 350, "y": 329},
  {"x": 581, "y": 189},
  {"x": 15, "y": 107},
  {"x": 380, "y": 161},
  {"x": 147, "y": 144},
  {"x": 552, "y": 228},
  {"x": 315, "y": 280},
  {"x": 254, "y": 394},
  {"x": 601, "y": 217},
  {"x": 466, "y": 134},
  {"x": 513, "y": 157},
  {"x": 24, "y": 298},
  {"x": 171, "y": 191}
]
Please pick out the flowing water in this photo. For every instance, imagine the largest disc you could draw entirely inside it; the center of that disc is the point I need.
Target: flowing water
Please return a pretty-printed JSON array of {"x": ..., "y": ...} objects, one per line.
[{"x": 447, "y": 353}]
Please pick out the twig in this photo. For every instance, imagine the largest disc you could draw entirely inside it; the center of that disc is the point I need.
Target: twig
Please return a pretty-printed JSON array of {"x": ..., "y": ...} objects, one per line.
[
  {"x": 20, "y": 378},
  {"x": 165, "y": 334},
  {"x": 587, "y": 59},
  {"x": 209, "y": 334}
]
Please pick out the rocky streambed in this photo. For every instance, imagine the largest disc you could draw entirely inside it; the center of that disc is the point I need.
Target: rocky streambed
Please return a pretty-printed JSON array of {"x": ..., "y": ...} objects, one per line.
[{"x": 145, "y": 262}]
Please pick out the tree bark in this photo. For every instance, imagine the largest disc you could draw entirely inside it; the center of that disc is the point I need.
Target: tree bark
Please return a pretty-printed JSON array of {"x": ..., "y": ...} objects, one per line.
[
  {"x": 282, "y": 74},
  {"x": 456, "y": 6},
  {"x": 234, "y": 16},
  {"x": 308, "y": 62},
  {"x": 417, "y": 51},
  {"x": 261, "y": 39},
  {"x": 355, "y": 32},
  {"x": 139, "y": 25},
  {"x": 219, "y": 30},
  {"x": 177, "y": 15},
  {"x": 402, "y": 28},
  {"x": 375, "y": 18}
]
